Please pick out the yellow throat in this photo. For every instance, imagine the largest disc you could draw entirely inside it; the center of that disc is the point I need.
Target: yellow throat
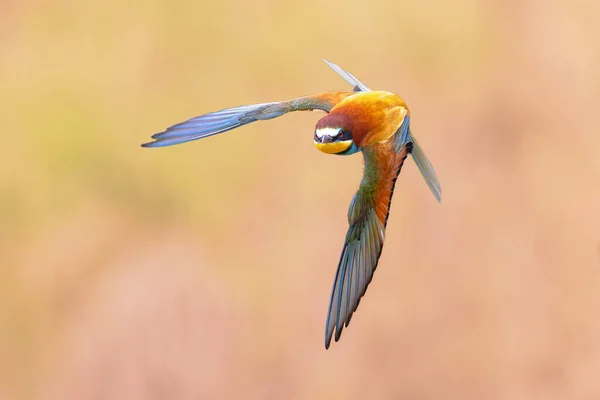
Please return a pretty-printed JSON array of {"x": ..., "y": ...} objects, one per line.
[{"x": 334, "y": 147}]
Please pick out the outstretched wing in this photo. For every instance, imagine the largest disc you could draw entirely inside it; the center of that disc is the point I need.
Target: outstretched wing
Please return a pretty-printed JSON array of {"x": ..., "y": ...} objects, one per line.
[
  {"x": 231, "y": 118},
  {"x": 367, "y": 218}
]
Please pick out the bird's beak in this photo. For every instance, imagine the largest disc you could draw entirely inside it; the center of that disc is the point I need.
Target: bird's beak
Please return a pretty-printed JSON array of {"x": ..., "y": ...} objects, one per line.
[{"x": 330, "y": 146}]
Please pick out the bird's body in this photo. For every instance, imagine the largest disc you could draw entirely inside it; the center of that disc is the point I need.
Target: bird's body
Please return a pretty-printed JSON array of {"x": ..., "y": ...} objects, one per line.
[
  {"x": 372, "y": 117},
  {"x": 377, "y": 123}
]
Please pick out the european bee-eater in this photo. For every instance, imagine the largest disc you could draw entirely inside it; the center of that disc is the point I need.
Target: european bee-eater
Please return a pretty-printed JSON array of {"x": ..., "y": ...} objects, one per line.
[{"x": 377, "y": 123}]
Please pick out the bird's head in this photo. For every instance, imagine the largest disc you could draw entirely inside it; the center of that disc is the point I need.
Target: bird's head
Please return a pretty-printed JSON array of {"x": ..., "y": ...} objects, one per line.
[{"x": 333, "y": 135}]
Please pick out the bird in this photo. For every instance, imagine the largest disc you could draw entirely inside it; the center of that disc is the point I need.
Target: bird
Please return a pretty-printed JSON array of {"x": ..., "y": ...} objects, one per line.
[{"x": 374, "y": 122}]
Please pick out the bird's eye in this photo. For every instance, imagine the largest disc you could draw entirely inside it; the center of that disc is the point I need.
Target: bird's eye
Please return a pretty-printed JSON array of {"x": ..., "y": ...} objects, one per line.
[{"x": 340, "y": 133}]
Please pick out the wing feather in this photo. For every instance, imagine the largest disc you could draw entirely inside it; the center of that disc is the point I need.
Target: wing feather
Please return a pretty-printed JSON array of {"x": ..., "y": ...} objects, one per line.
[
  {"x": 367, "y": 218},
  {"x": 225, "y": 120}
]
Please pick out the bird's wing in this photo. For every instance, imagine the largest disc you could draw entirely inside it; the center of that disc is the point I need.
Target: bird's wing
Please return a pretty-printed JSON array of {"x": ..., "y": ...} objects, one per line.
[
  {"x": 231, "y": 118},
  {"x": 418, "y": 154},
  {"x": 367, "y": 218}
]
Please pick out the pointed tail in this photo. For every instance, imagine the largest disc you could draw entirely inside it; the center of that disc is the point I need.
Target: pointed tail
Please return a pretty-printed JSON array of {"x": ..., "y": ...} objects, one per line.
[{"x": 426, "y": 168}]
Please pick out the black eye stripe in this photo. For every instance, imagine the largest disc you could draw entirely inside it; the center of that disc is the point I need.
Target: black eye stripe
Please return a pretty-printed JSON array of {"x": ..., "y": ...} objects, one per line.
[
  {"x": 344, "y": 135},
  {"x": 341, "y": 135}
]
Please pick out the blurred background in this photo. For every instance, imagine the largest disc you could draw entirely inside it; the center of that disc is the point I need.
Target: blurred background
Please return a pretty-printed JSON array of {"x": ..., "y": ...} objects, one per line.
[{"x": 204, "y": 270}]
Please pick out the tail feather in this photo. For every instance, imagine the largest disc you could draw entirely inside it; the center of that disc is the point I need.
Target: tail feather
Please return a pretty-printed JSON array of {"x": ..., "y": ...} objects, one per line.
[
  {"x": 426, "y": 169},
  {"x": 348, "y": 77}
]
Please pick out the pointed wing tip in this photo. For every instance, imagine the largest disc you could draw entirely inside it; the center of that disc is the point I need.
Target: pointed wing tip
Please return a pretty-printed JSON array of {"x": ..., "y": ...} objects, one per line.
[
  {"x": 332, "y": 332},
  {"x": 157, "y": 142},
  {"x": 338, "y": 332},
  {"x": 328, "y": 336}
]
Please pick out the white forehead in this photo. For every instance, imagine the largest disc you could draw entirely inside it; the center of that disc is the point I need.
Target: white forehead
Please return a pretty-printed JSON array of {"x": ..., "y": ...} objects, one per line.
[{"x": 327, "y": 131}]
